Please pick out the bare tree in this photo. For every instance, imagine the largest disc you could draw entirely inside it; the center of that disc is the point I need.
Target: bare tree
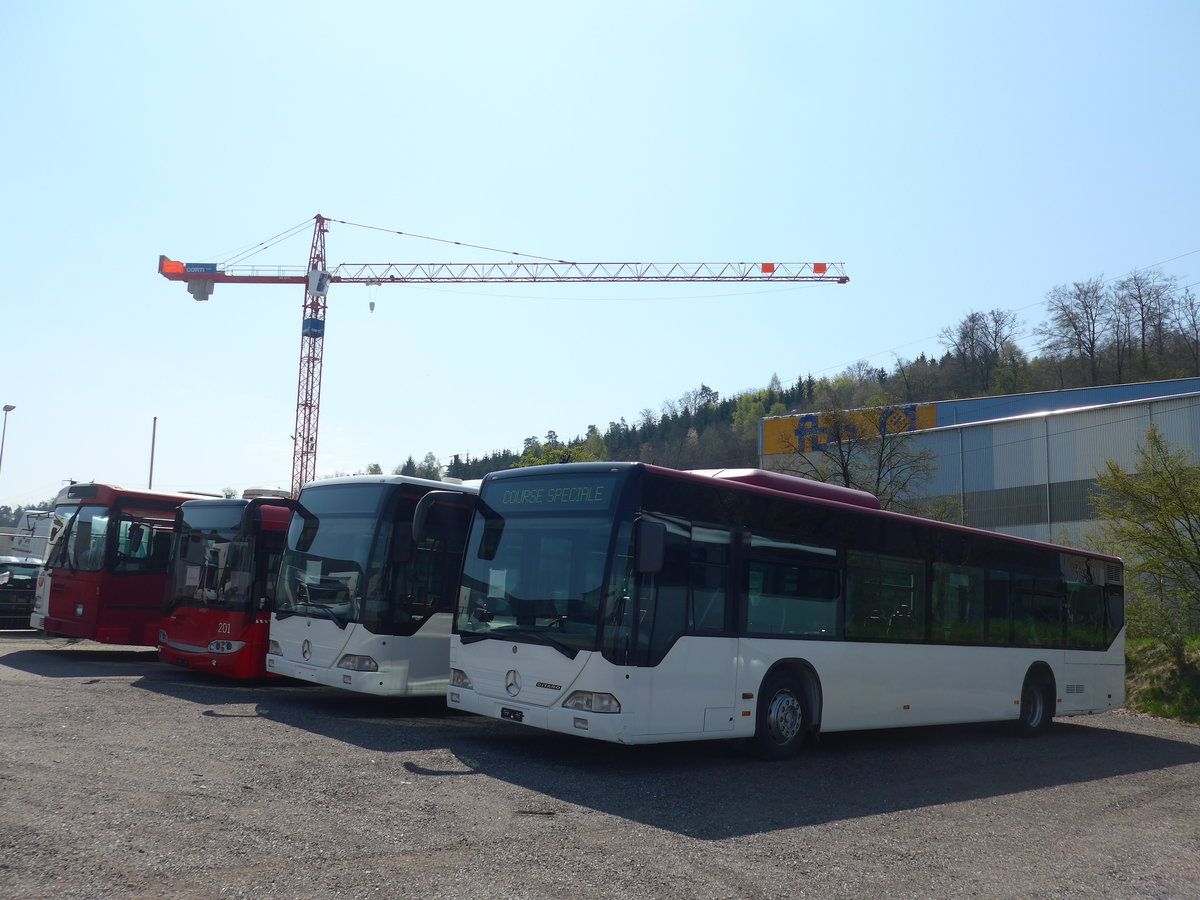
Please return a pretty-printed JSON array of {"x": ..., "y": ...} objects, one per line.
[
  {"x": 981, "y": 344},
  {"x": 1184, "y": 313},
  {"x": 1079, "y": 325},
  {"x": 1145, "y": 293},
  {"x": 1121, "y": 318},
  {"x": 864, "y": 449}
]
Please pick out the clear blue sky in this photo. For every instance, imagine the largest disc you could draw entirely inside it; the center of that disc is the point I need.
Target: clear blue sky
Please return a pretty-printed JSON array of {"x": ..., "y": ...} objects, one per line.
[{"x": 954, "y": 155}]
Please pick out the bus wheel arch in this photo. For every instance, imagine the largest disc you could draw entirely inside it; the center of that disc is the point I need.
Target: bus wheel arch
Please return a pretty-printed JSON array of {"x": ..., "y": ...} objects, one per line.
[
  {"x": 789, "y": 709},
  {"x": 1038, "y": 701}
]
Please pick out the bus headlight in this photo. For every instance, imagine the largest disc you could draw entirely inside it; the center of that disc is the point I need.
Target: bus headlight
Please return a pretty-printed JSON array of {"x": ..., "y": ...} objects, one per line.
[
  {"x": 162, "y": 636},
  {"x": 273, "y": 647},
  {"x": 358, "y": 663},
  {"x": 593, "y": 701},
  {"x": 458, "y": 678},
  {"x": 225, "y": 646}
]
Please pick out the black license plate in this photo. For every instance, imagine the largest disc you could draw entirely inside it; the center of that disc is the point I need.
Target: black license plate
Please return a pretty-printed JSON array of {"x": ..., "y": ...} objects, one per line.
[{"x": 513, "y": 715}]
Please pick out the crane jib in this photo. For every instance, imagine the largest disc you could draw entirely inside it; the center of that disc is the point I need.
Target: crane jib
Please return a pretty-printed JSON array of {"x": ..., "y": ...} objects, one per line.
[{"x": 316, "y": 276}]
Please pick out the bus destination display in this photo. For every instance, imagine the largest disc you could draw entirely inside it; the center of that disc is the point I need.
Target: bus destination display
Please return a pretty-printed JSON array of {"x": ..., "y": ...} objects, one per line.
[{"x": 571, "y": 492}]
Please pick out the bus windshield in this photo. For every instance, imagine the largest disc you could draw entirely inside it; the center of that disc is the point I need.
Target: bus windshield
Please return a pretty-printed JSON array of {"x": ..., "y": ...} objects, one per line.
[
  {"x": 213, "y": 566},
  {"x": 328, "y": 577},
  {"x": 545, "y": 582},
  {"x": 129, "y": 541},
  {"x": 81, "y": 544}
]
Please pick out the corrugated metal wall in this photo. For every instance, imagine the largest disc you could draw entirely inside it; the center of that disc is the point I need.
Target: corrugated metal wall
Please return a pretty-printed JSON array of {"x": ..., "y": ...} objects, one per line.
[
  {"x": 982, "y": 409},
  {"x": 1033, "y": 476}
]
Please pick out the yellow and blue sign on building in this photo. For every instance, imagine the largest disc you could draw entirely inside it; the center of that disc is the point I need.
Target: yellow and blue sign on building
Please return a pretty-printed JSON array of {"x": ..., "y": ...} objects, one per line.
[{"x": 812, "y": 431}]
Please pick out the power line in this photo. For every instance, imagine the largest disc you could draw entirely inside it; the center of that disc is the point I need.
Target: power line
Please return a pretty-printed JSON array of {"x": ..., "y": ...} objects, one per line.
[{"x": 447, "y": 241}]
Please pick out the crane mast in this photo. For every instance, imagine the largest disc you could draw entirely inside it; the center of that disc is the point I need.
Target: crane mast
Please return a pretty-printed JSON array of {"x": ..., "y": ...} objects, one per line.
[
  {"x": 316, "y": 278},
  {"x": 312, "y": 348}
]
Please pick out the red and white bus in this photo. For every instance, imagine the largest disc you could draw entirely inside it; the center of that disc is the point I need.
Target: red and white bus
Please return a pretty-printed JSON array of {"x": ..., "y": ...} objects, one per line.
[
  {"x": 360, "y": 606},
  {"x": 107, "y": 570},
  {"x": 637, "y": 604},
  {"x": 224, "y": 560}
]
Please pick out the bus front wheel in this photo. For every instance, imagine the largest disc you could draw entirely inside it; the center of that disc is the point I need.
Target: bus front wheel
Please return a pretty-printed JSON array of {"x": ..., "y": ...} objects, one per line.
[
  {"x": 783, "y": 717},
  {"x": 1037, "y": 705}
]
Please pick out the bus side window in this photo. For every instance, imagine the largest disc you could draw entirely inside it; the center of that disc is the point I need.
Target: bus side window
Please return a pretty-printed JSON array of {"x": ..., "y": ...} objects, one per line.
[
  {"x": 789, "y": 598},
  {"x": 998, "y": 615},
  {"x": 957, "y": 604},
  {"x": 1114, "y": 597},
  {"x": 664, "y": 599},
  {"x": 1085, "y": 617},
  {"x": 885, "y": 597},
  {"x": 709, "y": 576},
  {"x": 1037, "y": 612},
  {"x": 792, "y": 588}
]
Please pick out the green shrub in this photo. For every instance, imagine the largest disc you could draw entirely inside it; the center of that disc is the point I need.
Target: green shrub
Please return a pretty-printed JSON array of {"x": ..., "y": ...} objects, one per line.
[{"x": 1164, "y": 680}]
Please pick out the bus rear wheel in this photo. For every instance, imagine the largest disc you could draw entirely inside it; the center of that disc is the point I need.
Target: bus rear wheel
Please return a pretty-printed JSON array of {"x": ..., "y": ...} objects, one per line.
[
  {"x": 783, "y": 717},
  {"x": 1037, "y": 706}
]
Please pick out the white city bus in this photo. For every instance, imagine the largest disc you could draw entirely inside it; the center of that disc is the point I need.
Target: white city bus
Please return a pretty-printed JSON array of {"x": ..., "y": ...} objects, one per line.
[
  {"x": 636, "y": 604},
  {"x": 358, "y": 605}
]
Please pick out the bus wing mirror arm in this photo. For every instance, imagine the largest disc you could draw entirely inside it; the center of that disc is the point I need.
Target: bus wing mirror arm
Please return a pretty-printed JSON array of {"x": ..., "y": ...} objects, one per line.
[
  {"x": 251, "y": 516},
  {"x": 420, "y": 522},
  {"x": 651, "y": 546}
]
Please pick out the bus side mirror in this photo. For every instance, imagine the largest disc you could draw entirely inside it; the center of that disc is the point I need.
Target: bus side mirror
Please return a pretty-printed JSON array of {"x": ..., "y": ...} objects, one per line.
[
  {"x": 252, "y": 517},
  {"x": 309, "y": 532},
  {"x": 651, "y": 546},
  {"x": 136, "y": 533},
  {"x": 489, "y": 541},
  {"x": 402, "y": 542}
]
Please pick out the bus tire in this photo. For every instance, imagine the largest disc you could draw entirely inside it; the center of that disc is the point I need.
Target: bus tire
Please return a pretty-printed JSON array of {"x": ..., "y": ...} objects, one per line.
[
  {"x": 1037, "y": 705},
  {"x": 784, "y": 717}
]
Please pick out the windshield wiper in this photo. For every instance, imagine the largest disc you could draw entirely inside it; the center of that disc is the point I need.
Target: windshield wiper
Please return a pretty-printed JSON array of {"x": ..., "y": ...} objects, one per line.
[
  {"x": 63, "y": 550},
  {"x": 541, "y": 636},
  {"x": 339, "y": 622},
  {"x": 314, "y": 610}
]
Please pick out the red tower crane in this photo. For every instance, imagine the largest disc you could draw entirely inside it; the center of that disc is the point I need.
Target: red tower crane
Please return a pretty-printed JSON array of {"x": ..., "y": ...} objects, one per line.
[{"x": 316, "y": 278}]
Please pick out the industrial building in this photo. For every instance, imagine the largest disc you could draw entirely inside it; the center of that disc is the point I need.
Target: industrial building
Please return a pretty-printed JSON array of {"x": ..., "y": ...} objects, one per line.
[{"x": 1023, "y": 464}]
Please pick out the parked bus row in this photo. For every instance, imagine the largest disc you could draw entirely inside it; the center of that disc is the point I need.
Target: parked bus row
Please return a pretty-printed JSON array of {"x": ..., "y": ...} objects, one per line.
[
  {"x": 616, "y": 601},
  {"x": 328, "y": 588}
]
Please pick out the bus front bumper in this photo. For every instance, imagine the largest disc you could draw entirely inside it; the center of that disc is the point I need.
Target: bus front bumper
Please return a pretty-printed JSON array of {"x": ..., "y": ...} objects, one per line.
[{"x": 612, "y": 727}]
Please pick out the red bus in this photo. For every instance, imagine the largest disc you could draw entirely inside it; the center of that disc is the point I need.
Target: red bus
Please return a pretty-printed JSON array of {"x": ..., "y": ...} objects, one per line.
[
  {"x": 108, "y": 568},
  {"x": 225, "y": 561}
]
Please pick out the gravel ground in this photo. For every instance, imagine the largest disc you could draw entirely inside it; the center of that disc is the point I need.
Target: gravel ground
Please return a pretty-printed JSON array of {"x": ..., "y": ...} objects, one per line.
[{"x": 123, "y": 777}]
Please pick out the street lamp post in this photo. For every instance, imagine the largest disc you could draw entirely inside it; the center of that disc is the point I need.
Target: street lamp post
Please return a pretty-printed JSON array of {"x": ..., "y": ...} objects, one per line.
[{"x": 8, "y": 407}]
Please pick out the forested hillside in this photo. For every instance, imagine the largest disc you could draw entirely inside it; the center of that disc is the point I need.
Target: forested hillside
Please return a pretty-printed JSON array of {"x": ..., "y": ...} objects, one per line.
[{"x": 1143, "y": 327}]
